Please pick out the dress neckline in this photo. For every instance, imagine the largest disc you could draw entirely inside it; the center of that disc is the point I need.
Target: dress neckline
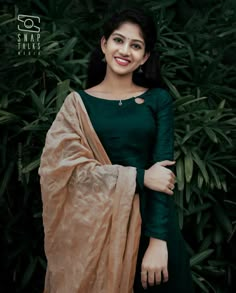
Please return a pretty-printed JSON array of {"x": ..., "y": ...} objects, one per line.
[{"x": 117, "y": 100}]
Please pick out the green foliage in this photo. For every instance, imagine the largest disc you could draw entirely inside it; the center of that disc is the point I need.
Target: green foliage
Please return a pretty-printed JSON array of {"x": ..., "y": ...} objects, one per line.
[{"x": 196, "y": 41}]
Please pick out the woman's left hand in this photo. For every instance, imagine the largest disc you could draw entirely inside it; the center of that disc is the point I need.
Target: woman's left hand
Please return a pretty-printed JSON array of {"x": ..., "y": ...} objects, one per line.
[{"x": 154, "y": 264}]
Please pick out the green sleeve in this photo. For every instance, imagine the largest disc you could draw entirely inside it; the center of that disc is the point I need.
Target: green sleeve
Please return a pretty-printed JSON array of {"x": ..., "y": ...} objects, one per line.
[
  {"x": 140, "y": 180},
  {"x": 158, "y": 203}
]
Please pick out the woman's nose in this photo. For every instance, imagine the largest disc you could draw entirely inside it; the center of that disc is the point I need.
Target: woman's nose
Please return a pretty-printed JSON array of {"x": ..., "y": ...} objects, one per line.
[{"x": 124, "y": 49}]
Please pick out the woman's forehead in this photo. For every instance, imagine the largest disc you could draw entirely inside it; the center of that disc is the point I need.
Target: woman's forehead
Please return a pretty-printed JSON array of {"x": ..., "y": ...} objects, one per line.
[{"x": 130, "y": 31}]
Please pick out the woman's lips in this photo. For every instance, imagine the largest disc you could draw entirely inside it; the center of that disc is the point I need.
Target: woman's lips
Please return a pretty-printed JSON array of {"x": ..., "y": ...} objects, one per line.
[{"x": 121, "y": 61}]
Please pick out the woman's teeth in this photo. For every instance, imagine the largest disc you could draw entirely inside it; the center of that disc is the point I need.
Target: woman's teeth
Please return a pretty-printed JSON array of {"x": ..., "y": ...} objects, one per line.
[{"x": 122, "y": 61}]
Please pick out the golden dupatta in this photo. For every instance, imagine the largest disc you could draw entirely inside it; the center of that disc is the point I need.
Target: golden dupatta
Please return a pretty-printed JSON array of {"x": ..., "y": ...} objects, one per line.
[{"x": 90, "y": 210}]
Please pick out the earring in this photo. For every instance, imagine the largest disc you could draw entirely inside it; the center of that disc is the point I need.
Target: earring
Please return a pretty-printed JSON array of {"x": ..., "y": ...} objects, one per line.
[
  {"x": 104, "y": 59},
  {"x": 140, "y": 70}
]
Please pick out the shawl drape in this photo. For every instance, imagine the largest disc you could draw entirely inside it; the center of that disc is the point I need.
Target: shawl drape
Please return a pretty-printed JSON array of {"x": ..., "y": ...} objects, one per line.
[{"x": 91, "y": 212}]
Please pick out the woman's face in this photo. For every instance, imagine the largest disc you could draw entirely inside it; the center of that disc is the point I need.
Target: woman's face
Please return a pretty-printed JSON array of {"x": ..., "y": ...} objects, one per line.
[{"x": 125, "y": 49}]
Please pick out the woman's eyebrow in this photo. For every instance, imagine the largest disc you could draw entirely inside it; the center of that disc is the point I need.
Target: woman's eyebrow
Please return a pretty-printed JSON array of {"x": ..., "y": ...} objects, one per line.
[{"x": 136, "y": 40}]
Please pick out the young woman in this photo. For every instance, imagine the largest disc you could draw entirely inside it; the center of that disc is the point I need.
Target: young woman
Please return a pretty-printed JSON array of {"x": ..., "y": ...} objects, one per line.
[{"x": 109, "y": 145}]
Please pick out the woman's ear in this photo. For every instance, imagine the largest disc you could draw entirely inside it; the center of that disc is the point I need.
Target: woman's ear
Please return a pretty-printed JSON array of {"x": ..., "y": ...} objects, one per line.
[
  {"x": 103, "y": 44},
  {"x": 145, "y": 57}
]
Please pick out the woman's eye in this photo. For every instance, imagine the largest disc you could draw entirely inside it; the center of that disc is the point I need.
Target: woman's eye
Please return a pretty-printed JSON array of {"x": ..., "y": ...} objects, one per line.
[
  {"x": 117, "y": 40},
  {"x": 136, "y": 46}
]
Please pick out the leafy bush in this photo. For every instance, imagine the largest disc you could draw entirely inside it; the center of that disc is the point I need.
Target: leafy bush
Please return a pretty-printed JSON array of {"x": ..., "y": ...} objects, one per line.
[{"x": 197, "y": 45}]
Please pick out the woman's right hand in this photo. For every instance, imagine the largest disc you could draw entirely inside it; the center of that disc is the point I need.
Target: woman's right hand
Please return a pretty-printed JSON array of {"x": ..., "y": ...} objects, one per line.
[{"x": 159, "y": 178}]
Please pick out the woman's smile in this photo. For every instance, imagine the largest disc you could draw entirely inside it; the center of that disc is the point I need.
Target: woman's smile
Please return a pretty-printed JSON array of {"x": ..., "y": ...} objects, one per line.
[{"x": 122, "y": 61}]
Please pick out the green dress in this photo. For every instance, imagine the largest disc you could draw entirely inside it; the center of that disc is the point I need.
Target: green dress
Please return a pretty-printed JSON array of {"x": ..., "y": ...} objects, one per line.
[{"x": 138, "y": 135}]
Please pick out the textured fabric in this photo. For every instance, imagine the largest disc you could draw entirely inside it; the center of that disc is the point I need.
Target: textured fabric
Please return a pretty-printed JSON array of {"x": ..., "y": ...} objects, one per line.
[
  {"x": 139, "y": 135},
  {"x": 90, "y": 209}
]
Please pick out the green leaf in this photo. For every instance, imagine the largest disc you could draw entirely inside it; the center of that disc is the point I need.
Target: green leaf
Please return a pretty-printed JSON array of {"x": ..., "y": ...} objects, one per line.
[
  {"x": 220, "y": 132},
  {"x": 206, "y": 243},
  {"x": 221, "y": 105},
  {"x": 198, "y": 281},
  {"x": 29, "y": 272},
  {"x": 191, "y": 134},
  {"x": 198, "y": 208},
  {"x": 42, "y": 262},
  {"x": 222, "y": 218},
  {"x": 7, "y": 21},
  {"x": 215, "y": 176},
  {"x": 26, "y": 61},
  {"x": 37, "y": 102},
  {"x": 200, "y": 257},
  {"x": 188, "y": 166},
  {"x": 62, "y": 90},
  {"x": 6, "y": 177},
  {"x": 211, "y": 134},
  {"x": 201, "y": 166},
  {"x": 163, "y": 4},
  {"x": 218, "y": 236},
  {"x": 172, "y": 88},
  {"x": 181, "y": 101},
  {"x": 193, "y": 101},
  {"x": 179, "y": 202},
  {"x": 180, "y": 174},
  {"x": 67, "y": 50},
  {"x": 200, "y": 180},
  {"x": 41, "y": 6},
  {"x": 31, "y": 166},
  {"x": 228, "y": 32},
  {"x": 188, "y": 192},
  {"x": 43, "y": 62},
  {"x": 220, "y": 166},
  {"x": 6, "y": 117}
]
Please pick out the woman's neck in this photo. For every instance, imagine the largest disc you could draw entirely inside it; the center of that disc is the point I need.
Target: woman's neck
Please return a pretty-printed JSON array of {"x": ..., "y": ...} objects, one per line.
[{"x": 118, "y": 84}]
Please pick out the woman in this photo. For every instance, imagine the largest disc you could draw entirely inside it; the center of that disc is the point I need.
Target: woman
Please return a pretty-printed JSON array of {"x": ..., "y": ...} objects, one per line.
[{"x": 108, "y": 145}]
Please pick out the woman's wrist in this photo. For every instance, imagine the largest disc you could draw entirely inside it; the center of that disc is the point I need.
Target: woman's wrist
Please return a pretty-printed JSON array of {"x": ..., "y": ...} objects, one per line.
[
  {"x": 146, "y": 178},
  {"x": 155, "y": 241}
]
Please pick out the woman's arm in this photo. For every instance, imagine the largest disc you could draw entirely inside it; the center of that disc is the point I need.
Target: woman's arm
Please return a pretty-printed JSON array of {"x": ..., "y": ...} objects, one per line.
[{"x": 158, "y": 203}]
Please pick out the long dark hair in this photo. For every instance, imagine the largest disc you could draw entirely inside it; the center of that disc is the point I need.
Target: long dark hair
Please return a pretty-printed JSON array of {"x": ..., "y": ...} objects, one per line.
[{"x": 150, "y": 76}]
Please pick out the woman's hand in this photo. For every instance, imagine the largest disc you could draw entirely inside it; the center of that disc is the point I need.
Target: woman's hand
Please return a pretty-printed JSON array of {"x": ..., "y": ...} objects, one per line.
[
  {"x": 154, "y": 264},
  {"x": 159, "y": 178}
]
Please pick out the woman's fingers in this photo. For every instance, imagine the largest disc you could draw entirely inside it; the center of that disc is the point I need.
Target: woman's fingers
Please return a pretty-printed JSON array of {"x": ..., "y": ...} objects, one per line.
[
  {"x": 151, "y": 278},
  {"x": 160, "y": 178},
  {"x": 154, "y": 264},
  {"x": 158, "y": 277},
  {"x": 172, "y": 180},
  {"x": 171, "y": 183},
  {"x": 172, "y": 175},
  {"x": 170, "y": 187},
  {"x": 165, "y": 275},
  {"x": 144, "y": 279},
  {"x": 166, "y": 163},
  {"x": 168, "y": 191}
]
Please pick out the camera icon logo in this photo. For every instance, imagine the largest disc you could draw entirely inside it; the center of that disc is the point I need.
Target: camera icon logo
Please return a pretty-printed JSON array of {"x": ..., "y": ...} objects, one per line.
[{"x": 27, "y": 23}]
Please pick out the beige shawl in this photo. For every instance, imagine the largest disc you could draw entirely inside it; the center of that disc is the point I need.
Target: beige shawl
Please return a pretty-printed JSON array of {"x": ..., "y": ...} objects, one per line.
[{"x": 90, "y": 210}]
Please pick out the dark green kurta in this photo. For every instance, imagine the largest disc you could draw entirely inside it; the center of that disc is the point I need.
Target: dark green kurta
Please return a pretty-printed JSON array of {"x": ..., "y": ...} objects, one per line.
[{"x": 139, "y": 135}]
